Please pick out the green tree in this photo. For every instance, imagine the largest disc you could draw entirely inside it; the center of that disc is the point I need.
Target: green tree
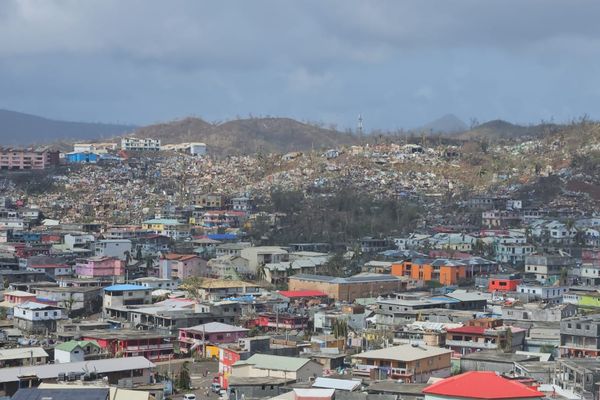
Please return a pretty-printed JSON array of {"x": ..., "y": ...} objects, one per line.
[
  {"x": 261, "y": 272},
  {"x": 193, "y": 286},
  {"x": 138, "y": 253},
  {"x": 547, "y": 348},
  {"x": 509, "y": 340},
  {"x": 184, "y": 381},
  {"x": 127, "y": 257},
  {"x": 335, "y": 265},
  {"x": 340, "y": 328}
]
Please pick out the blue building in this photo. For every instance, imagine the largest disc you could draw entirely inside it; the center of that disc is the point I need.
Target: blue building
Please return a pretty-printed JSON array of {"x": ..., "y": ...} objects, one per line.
[{"x": 82, "y": 157}]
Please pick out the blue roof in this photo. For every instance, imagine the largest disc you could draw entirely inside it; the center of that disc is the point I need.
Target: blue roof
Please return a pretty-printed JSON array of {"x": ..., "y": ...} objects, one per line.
[
  {"x": 222, "y": 236},
  {"x": 124, "y": 287},
  {"x": 164, "y": 221},
  {"x": 447, "y": 299}
]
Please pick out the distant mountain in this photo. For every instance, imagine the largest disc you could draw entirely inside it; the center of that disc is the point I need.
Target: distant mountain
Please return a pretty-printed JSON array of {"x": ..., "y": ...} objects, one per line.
[
  {"x": 19, "y": 129},
  {"x": 246, "y": 136},
  {"x": 448, "y": 123},
  {"x": 499, "y": 129}
]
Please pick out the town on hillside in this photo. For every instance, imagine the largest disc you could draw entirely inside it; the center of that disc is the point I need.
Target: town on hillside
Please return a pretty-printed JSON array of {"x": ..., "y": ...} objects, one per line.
[
  {"x": 392, "y": 269},
  {"x": 299, "y": 200}
]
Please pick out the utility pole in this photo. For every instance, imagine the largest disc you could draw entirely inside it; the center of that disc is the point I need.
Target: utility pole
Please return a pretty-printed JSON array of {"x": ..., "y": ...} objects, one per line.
[{"x": 203, "y": 340}]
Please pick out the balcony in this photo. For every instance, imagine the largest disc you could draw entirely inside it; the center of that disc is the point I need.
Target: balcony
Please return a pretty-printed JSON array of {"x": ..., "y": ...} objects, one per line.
[
  {"x": 365, "y": 370},
  {"x": 150, "y": 347},
  {"x": 471, "y": 344}
]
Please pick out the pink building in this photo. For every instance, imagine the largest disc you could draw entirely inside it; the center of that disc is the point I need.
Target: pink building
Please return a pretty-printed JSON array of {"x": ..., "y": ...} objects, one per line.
[
  {"x": 27, "y": 158},
  {"x": 99, "y": 266},
  {"x": 18, "y": 297},
  {"x": 181, "y": 266},
  {"x": 191, "y": 339}
]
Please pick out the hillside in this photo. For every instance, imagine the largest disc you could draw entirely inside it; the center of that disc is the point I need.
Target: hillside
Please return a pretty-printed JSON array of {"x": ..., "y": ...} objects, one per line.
[
  {"x": 19, "y": 129},
  {"x": 247, "y": 136},
  {"x": 499, "y": 129}
]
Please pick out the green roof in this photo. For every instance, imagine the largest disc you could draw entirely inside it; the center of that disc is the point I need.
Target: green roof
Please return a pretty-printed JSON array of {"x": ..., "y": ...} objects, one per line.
[
  {"x": 70, "y": 345},
  {"x": 278, "y": 363}
]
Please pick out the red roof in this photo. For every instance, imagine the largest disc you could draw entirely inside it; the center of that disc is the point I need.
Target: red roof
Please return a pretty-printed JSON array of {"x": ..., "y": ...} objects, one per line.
[
  {"x": 481, "y": 385},
  {"x": 301, "y": 293},
  {"x": 474, "y": 330}
]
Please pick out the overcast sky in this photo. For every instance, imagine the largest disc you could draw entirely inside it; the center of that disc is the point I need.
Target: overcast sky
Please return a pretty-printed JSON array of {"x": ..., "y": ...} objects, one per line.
[{"x": 399, "y": 63}]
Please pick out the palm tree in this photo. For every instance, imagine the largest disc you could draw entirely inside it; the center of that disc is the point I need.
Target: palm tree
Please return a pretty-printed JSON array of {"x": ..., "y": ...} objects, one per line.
[
  {"x": 340, "y": 328},
  {"x": 127, "y": 257},
  {"x": 138, "y": 253},
  {"x": 261, "y": 273}
]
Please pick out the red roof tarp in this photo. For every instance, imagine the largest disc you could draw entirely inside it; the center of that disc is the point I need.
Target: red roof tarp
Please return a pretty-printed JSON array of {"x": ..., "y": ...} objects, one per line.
[{"x": 481, "y": 385}]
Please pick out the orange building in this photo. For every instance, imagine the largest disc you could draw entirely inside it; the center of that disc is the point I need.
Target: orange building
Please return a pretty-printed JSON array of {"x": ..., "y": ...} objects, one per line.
[
  {"x": 504, "y": 283},
  {"x": 442, "y": 270}
]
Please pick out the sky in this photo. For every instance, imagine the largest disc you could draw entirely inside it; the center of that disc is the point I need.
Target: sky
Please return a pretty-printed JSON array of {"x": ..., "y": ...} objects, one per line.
[{"x": 398, "y": 63}]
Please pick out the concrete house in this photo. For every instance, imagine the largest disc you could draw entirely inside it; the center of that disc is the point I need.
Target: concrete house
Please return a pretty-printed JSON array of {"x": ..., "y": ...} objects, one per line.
[
  {"x": 261, "y": 255},
  {"x": 96, "y": 267},
  {"x": 75, "y": 351},
  {"x": 408, "y": 363},
  {"x": 36, "y": 317},
  {"x": 265, "y": 365},
  {"x": 78, "y": 300},
  {"x": 212, "y": 332},
  {"x": 547, "y": 267},
  {"x": 118, "y": 248},
  {"x": 181, "y": 266},
  {"x": 117, "y": 296},
  {"x": 22, "y": 356},
  {"x": 580, "y": 336}
]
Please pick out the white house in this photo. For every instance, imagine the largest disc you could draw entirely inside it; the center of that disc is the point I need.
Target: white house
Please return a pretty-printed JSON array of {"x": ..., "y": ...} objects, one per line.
[
  {"x": 35, "y": 317},
  {"x": 197, "y": 149},
  {"x": 75, "y": 351},
  {"x": 140, "y": 144},
  {"x": 83, "y": 240},
  {"x": 542, "y": 292},
  {"x": 118, "y": 248}
]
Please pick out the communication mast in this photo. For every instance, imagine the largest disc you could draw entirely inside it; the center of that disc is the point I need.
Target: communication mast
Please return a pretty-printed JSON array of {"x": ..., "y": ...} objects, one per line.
[{"x": 360, "y": 125}]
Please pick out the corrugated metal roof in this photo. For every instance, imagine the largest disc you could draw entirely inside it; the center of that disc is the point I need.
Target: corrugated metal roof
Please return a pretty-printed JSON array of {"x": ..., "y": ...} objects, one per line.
[
  {"x": 340, "y": 384},
  {"x": 89, "y": 393},
  {"x": 124, "y": 287},
  {"x": 22, "y": 352},
  {"x": 52, "y": 370},
  {"x": 278, "y": 363},
  {"x": 403, "y": 353}
]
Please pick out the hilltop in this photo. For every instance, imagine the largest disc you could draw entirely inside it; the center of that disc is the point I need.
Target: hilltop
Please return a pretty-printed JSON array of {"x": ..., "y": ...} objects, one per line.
[
  {"x": 20, "y": 129},
  {"x": 447, "y": 124},
  {"x": 247, "y": 136},
  {"x": 500, "y": 129}
]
